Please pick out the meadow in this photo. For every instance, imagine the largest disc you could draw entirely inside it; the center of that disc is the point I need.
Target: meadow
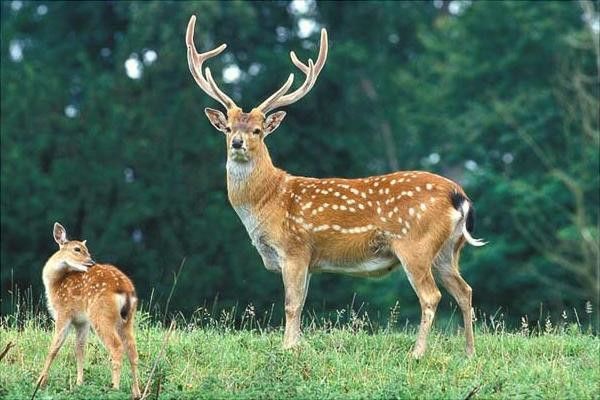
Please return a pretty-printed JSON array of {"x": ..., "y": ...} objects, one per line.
[{"x": 239, "y": 356}]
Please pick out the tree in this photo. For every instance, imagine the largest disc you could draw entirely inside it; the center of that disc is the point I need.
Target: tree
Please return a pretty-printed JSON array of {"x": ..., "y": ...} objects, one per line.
[{"x": 501, "y": 96}]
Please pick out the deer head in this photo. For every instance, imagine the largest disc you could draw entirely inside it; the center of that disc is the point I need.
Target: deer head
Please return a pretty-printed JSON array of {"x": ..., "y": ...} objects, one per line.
[
  {"x": 72, "y": 255},
  {"x": 245, "y": 132}
]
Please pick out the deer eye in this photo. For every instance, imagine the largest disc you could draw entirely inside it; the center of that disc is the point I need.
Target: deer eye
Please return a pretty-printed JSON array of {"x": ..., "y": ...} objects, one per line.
[
  {"x": 256, "y": 131},
  {"x": 227, "y": 129},
  {"x": 77, "y": 249}
]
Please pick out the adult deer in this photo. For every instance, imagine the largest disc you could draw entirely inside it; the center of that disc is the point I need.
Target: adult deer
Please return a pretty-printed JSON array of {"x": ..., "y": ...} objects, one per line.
[{"x": 364, "y": 227}]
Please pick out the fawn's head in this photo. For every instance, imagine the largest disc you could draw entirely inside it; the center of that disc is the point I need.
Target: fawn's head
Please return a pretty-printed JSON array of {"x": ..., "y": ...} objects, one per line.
[
  {"x": 72, "y": 254},
  {"x": 245, "y": 132}
]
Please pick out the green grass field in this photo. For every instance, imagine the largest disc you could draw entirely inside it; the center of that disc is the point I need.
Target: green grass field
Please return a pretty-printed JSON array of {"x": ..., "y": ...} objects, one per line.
[{"x": 214, "y": 361}]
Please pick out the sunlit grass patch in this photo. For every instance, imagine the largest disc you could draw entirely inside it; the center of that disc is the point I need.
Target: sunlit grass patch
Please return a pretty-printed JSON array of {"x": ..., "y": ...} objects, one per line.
[{"x": 229, "y": 356}]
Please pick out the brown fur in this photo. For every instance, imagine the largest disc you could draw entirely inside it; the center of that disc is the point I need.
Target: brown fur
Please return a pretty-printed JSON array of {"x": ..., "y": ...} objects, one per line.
[
  {"x": 407, "y": 216},
  {"x": 364, "y": 227},
  {"x": 81, "y": 293}
]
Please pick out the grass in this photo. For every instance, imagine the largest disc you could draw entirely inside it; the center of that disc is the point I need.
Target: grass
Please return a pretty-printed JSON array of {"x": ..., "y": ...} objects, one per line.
[{"x": 209, "y": 358}]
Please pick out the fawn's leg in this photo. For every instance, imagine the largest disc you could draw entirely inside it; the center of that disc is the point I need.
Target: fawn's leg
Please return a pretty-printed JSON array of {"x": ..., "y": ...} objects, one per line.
[
  {"x": 128, "y": 336},
  {"x": 306, "y": 289},
  {"x": 295, "y": 277},
  {"x": 107, "y": 328},
  {"x": 61, "y": 330},
  {"x": 81, "y": 331}
]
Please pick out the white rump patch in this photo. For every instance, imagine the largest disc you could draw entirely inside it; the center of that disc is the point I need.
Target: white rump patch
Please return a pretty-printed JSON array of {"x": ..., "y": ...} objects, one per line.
[{"x": 120, "y": 299}]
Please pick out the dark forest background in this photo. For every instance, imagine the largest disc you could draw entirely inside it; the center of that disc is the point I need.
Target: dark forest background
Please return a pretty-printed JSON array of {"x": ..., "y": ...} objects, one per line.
[{"x": 102, "y": 129}]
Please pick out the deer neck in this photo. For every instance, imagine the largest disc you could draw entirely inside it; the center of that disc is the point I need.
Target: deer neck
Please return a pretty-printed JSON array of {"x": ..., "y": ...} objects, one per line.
[
  {"x": 54, "y": 270},
  {"x": 253, "y": 188},
  {"x": 248, "y": 183}
]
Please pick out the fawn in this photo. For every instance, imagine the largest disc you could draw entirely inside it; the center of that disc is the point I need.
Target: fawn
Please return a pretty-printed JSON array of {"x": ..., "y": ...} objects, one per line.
[
  {"x": 81, "y": 293},
  {"x": 363, "y": 227}
]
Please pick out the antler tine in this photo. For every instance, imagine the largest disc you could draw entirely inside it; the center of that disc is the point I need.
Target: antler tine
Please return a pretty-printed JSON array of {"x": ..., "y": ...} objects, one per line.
[
  {"x": 265, "y": 106},
  {"x": 196, "y": 73},
  {"x": 311, "y": 71},
  {"x": 298, "y": 93},
  {"x": 216, "y": 90},
  {"x": 298, "y": 63},
  {"x": 195, "y": 61},
  {"x": 320, "y": 60}
]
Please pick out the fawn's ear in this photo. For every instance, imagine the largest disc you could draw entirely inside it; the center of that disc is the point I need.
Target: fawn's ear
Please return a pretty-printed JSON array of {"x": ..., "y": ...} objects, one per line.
[
  {"x": 217, "y": 119},
  {"x": 60, "y": 234},
  {"x": 273, "y": 121}
]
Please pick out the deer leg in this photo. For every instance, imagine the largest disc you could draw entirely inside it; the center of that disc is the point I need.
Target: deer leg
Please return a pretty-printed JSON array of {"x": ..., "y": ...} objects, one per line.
[
  {"x": 80, "y": 341},
  {"x": 61, "y": 330},
  {"x": 295, "y": 281},
  {"x": 461, "y": 291},
  {"x": 418, "y": 271},
  {"x": 446, "y": 264},
  {"x": 107, "y": 330},
  {"x": 429, "y": 297},
  {"x": 128, "y": 337},
  {"x": 306, "y": 289}
]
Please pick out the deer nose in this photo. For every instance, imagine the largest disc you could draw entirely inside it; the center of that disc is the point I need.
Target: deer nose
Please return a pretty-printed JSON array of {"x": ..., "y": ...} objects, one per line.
[{"x": 237, "y": 143}]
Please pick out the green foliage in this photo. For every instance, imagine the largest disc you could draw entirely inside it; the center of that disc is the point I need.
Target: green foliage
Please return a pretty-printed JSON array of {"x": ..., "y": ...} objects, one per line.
[
  {"x": 515, "y": 95},
  {"x": 206, "y": 359},
  {"x": 510, "y": 87}
]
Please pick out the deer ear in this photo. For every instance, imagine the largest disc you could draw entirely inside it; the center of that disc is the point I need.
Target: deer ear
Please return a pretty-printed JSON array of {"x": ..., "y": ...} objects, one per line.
[
  {"x": 217, "y": 119},
  {"x": 273, "y": 121},
  {"x": 60, "y": 234}
]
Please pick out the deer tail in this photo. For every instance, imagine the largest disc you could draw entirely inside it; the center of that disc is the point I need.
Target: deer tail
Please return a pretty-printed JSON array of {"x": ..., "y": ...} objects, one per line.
[{"x": 464, "y": 206}]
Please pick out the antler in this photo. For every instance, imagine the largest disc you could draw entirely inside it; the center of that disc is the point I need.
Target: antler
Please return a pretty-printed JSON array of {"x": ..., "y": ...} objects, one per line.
[
  {"x": 278, "y": 99},
  {"x": 195, "y": 61}
]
